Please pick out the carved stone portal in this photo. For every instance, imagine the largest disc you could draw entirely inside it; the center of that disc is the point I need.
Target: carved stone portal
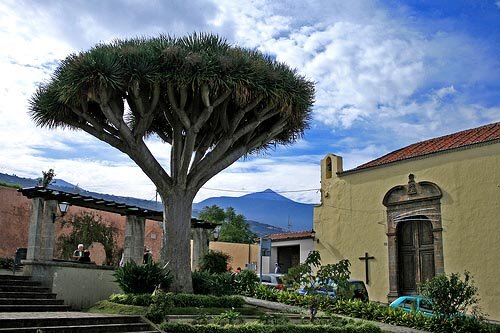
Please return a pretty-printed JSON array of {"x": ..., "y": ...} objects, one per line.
[{"x": 405, "y": 204}]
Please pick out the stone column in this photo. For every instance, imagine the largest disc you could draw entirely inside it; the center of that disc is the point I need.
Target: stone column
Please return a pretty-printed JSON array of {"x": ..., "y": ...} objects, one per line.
[
  {"x": 35, "y": 229},
  {"x": 133, "y": 247},
  {"x": 200, "y": 243},
  {"x": 41, "y": 231},
  {"x": 48, "y": 226}
]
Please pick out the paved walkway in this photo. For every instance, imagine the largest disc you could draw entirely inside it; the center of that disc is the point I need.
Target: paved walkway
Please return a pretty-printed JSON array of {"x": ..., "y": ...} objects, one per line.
[{"x": 296, "y": 309}]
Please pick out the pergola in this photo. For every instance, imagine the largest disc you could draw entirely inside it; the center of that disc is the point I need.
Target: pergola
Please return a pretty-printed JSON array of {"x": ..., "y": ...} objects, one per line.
[{"x": 44, "y": 208}]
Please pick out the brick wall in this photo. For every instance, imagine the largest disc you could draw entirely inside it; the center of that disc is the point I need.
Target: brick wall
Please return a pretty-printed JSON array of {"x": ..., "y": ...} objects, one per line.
[{"x": 15, "y": 210}]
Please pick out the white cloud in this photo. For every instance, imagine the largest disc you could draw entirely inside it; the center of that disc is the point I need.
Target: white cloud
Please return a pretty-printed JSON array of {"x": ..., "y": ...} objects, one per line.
[{"x": 376, "y": 76}]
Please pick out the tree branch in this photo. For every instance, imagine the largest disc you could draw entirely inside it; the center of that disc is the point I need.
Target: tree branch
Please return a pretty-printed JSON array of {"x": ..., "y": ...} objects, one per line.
[
  {"x": 202, "y": 149},
  {"x": 241, "y": 113},
  {"x": 207, "y": 112},
  {"x": 202, "y": 175},
  {"x": 181, "y": 113},
  {"x": 147, "y": 116}
]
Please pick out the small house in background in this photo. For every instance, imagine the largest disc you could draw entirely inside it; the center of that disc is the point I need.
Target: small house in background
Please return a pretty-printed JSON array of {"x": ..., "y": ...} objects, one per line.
[{"x": 288, "y": 250}]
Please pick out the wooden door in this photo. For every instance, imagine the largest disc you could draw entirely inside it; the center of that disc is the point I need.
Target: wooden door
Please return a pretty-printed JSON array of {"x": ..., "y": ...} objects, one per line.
[{"x": 415, "y": 253}]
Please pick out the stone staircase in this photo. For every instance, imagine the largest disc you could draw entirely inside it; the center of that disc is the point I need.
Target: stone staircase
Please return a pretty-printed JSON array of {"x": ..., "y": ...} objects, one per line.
[
  {"x": 19, "y": 294},
  {"x": 75, "y": 322},
  {"x": 25, "y": 306}
]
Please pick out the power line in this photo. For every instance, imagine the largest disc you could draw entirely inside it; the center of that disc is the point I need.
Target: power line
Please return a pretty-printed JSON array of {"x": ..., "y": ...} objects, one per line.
[{"x": 244, "y": 191}]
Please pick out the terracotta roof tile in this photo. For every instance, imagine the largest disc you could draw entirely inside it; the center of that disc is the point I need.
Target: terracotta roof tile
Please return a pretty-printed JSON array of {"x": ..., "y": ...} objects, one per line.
[
  {"x": 290, "y": 235},
  {"x": 451, "y": 141}
]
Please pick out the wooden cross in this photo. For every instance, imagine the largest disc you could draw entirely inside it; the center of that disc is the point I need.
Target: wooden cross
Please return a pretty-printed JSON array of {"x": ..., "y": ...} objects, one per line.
[{"x": 366, "y": 258}]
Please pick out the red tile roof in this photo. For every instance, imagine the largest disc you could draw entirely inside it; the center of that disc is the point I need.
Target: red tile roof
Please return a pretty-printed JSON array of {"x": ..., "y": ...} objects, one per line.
[
  {"x": 290, "y": 235},
  {"x": 465, "y": 138}
]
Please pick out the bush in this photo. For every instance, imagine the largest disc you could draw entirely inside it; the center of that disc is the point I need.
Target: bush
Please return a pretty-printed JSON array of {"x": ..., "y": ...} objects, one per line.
[
  {"x": 450, "y": 296},
  {"x": 245, "y": 283},
  {"x": 131, "y": 299},
  {"x": 259, "y": 328},
  {"x": 220, "y": 284},
  {"x": 161, "y": 304},
  {"x": 203, "y": 283},
  {"x": 6, "y": 263},
  {"x": 140, "y": 279},
  {"x": 214, "y": 262},
  {"x": 266, "y": 293}
]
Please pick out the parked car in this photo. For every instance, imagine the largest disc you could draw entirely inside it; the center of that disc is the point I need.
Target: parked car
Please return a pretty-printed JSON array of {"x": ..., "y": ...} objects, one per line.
[
  {"x": 272, "y": 280},
  {"x": 413, "y": 303},
  {"x": 358, "y": 286}
]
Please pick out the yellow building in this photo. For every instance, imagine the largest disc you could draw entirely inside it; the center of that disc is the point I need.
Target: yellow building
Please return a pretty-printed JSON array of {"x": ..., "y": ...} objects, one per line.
[{"x": 428, "y": 208}]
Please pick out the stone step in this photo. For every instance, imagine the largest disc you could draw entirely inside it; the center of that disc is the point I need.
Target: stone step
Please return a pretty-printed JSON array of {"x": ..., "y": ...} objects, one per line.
[
  {"x": 67, "y": 319},
  {"x": 30, "y": 301},
  {"x": 13, "y": 282},
  {"x": 33, "y": 308},
  {"x": 23, "y": 294},
  {"x": 14, "y": 277},
  {"x": 129, "y": 327},
  {"x": 71, "y": 322},
  {"x": 23, "y": 289}
]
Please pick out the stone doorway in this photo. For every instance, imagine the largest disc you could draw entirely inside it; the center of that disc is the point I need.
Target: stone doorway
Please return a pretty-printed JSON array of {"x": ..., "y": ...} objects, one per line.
[
  {"x": 414, "y": 235},
  {"x": 415, "y": 253}
]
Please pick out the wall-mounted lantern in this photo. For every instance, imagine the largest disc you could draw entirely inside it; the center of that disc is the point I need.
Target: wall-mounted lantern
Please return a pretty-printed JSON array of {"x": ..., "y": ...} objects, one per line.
[
  {"x": 63, "y": 208},
  {"x": 216, "y": 233}
]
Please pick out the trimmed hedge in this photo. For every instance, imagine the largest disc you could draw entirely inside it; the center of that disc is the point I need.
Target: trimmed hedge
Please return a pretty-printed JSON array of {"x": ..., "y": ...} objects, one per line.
[
  {"x": 380, "y": 313},
  {"x": 259, "y": 328},
  {"x": 179, "y": 300}
]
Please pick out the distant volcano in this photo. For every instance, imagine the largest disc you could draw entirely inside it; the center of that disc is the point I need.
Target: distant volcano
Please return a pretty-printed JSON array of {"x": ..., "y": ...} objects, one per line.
[{"x": 266, "y": 207}]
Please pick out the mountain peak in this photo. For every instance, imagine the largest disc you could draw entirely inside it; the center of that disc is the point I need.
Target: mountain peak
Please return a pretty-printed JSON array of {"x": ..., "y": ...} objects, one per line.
[{"x": 267, "y": 194}]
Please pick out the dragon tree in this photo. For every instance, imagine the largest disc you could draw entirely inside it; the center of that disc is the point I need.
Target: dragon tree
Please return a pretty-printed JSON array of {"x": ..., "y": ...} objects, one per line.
[{"x": 209, "y": 101}]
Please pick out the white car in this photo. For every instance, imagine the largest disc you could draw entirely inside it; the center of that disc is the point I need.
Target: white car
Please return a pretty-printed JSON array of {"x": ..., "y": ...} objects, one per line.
[{"x": 272, "y": 280}]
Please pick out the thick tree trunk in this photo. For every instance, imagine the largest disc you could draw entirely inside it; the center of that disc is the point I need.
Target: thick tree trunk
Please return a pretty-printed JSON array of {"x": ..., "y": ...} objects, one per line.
[{"x": 176, "y": 249}]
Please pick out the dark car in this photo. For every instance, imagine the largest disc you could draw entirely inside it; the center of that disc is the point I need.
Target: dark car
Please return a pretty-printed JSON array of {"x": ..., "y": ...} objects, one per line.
[
  {"x": 358, "y": 287},
  {"x": 360, "y": 291}
]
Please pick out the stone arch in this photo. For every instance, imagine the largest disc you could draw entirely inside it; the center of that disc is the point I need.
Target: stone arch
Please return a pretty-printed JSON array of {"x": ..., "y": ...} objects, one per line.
[
  {"x": 328, "y": 172},
  {"x": 403, "y": 203}
]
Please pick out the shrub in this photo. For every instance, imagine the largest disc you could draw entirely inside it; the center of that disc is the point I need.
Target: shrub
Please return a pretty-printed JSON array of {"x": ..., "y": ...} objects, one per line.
[
  {"x": 245, "y": 282},
  {"x": 220, "y": 284},
  {"x": 6, "y": 263},
  {"x": 131, "y": 299},
  {"x": 229, "y": 317},
  {"x": 214, "y": 262},
  {"x": 161, "y": 304},
  {"x": 203, "y": 283},
  {"x": 450, "y": 295},
  {"x": 259, "y": 328},
  {"x": 139, "y": 279},
  {"x": 206, "y": 301},
  {"x": 266, "y": 293}
]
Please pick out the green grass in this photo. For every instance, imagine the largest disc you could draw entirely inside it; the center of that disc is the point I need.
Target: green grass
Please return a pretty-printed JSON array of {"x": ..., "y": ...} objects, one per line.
[{"x": 114, "y": 308}]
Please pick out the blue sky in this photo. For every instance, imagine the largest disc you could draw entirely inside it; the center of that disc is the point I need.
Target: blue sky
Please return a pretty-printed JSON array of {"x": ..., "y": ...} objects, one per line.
[{"x": 388, "y": 73}]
